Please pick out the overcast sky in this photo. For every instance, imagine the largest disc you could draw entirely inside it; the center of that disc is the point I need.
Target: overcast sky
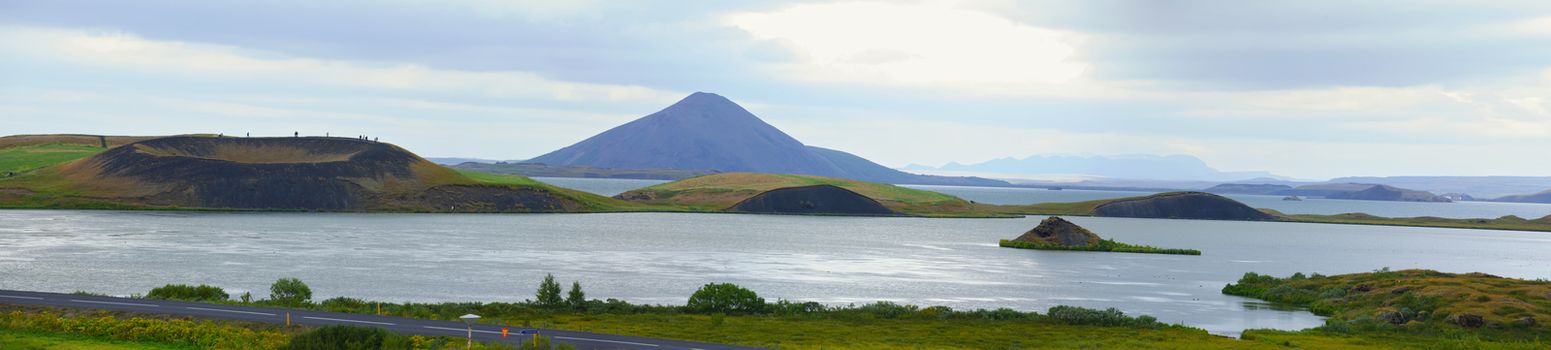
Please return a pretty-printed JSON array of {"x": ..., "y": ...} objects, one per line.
[{"x": 1310, "y": 89}]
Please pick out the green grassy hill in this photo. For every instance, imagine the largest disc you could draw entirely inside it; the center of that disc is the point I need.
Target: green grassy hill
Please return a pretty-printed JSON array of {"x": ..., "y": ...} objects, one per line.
[
  {"x": 721, "y": 191},
  {"x": 206, "y": 172}
]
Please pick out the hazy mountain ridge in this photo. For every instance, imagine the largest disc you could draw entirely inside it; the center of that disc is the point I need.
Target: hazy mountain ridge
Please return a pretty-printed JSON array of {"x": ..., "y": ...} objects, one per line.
[{"x": 1152, "y": 167}]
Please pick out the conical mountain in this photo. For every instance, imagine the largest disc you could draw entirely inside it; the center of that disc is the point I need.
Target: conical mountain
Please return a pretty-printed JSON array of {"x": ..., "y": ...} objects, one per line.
[{"x": 706, "y": 131}]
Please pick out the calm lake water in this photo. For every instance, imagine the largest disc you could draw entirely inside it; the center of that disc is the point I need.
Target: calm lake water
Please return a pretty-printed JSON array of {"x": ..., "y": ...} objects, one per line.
[{"x": 663, "y": 258}]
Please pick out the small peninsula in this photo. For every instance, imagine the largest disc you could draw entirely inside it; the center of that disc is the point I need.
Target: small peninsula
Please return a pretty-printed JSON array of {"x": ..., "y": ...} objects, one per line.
[{"x": 1055, "y": 233}]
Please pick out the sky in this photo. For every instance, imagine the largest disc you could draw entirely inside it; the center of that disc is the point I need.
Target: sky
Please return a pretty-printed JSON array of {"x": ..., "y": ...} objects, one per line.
[{"x": 1308, "y": 89}]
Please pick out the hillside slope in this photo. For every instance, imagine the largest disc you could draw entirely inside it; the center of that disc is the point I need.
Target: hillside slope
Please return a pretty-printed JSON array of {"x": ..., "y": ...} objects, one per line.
[
  {"x": 309, "y": 173},
  {"x": 707, "y": 132},
  {"x": 1541, "y": 197}
]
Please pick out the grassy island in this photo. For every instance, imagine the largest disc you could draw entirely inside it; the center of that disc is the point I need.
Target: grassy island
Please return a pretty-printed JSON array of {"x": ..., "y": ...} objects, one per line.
[
  {"x": 1104, "y": 245},
  {"x": 1414, "y": 304}
]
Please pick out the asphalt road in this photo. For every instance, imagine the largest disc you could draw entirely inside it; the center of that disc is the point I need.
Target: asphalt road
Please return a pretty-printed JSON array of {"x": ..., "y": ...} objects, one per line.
[{"x": 482, "y": 332}]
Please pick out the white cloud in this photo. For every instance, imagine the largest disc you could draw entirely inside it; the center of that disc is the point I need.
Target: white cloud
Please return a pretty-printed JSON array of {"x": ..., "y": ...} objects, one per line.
[
  {"x": 931, "y": 44},
  {"x": 128, "y": 52}
]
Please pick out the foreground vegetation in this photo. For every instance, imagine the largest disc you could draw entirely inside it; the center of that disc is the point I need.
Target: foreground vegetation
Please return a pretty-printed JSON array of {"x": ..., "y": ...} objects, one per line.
[
  {"x": 61, "y": 328},
  {"x": 1104, "y": 245},
  {"x": 1415, "y": 304},
  {"x": 726, "y": 313}
]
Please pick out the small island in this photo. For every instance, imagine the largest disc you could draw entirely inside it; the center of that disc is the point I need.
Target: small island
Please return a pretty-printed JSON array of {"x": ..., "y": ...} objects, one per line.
[{"x": 1055, "y": 233}]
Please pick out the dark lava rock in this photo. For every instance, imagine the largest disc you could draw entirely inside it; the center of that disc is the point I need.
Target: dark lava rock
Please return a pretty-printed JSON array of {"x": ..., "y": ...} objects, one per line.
[
  {"x": 816, "y": 199},
  {"x": 1469, "y": 320},
  {"x": 1525, "y": 321},
  {"x": 1055, "y": 230},
  {"x": 1400, "y": 290},
  {"x": 1181, "y": 205},
  {"x": 1363, "y": 288},
  {"x": 1391, "y": 317}
]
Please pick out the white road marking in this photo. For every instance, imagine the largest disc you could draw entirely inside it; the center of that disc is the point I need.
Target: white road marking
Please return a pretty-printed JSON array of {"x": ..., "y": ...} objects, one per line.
[
  {"x": 344, "y": 320},
  {"x": 20, "y": 297},
  {"x": 113, "y": 303},
  {"x": 607, "y": 341},
  {"x": 231, "y": 311},
  {"x": 461, "y": 330}
]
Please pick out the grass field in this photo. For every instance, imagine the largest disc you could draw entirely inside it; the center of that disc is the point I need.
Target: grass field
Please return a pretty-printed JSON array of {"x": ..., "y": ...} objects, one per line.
[
  {"x": 25, "y": 158},
  {"x": 18, "y": 340}
]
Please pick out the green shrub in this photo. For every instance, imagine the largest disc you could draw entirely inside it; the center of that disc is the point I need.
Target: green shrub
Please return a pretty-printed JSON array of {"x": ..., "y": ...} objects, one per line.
[
  {"x": 188, "y": 293},
  {"x": 344, "y": 304},
  {"x": 725, "y": 298},
  {"x": 290, "y": 292},
  {"x": 549, "y": 292},
  {"x": 1286, "y": 293},
  {"x": 1091, "y": 317},
  {"x": 576, "y": 299},
  {"x": 348, "y": 338}
]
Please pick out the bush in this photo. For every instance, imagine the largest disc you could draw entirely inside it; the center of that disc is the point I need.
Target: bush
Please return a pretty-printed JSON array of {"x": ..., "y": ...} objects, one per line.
[
  {"x": 348, "y": 338},
  {"x": 1090, "y": 317},
  {"x": 344, "y": 304},
  {"x": 549, "y": 292},
  {"x": 725, "y": 298},
  {"x": 888, "y": 310},
  {"x": 290, "y": 292},
  {"x": 576, "y": 299},
  {"x": 188, "y": 293},
  {"x": 1286, "y": 293}
]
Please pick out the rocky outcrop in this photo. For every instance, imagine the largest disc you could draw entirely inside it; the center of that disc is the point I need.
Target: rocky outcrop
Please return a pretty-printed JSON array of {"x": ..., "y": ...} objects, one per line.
[
  {"x": 1468, "y": 320},
  {"x": 1181, "y": 205},
  {"x": 1055, "y": 230},
  {"x": 816, "y": 199}
]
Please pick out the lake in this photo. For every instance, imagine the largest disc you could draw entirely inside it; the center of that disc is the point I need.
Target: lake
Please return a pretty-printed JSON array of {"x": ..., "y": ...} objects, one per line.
[{"x": 663, "y": 257}]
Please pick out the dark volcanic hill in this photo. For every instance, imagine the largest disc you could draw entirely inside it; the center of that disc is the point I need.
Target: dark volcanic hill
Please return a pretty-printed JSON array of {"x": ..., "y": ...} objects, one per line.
[
  {"x": 309, "y": 173},
  {"x": 706, "y": 131},
  {"x": 1055, "y": 230},
  {"x": 1181, "y": 205},
  {"x": 1389, "y": 193},
  {"x": 816, "y": 199}
]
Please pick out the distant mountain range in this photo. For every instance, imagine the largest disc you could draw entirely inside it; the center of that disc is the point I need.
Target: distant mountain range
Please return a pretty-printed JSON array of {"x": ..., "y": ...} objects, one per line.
[
  {"x": 1152, "y": 167},
  {"x": 1477, "y": 186},
  {"x": 708, "y": 132}
]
